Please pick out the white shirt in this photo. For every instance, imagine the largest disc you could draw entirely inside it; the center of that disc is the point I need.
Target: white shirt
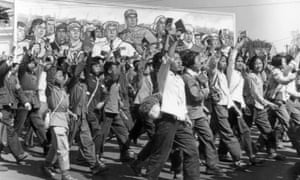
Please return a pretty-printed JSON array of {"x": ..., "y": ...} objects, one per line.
[
  {"x": 236, "y": 87},
  {"x": 42, "y": 87},
  {"x": 173, "y": 96},
  {"x": 222, "y": 85},
  {"x": 126, "y": 49}
]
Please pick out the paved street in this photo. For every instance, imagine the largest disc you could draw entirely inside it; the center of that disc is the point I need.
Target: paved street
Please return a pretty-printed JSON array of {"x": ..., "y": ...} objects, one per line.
[{"x": 270, "y": 170}]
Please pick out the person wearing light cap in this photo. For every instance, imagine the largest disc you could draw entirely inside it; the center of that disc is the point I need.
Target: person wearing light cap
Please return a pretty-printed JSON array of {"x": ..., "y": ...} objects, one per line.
[
  {"x": 189, "y": 38},
  {"x": 75, "y": 44},
  {"x": 22, "y": 43},
  {"x": 112, "y": 42},
  {"x": 134, "y": 34},
  {"x": 60, "y": 44}
]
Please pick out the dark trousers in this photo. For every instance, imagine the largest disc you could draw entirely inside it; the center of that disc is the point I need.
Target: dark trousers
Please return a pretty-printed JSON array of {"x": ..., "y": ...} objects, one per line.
[
  {"x": 241, "y": 130},
  {"x": 142, "y": 125},
  {"x": 86, "y": 144},
  {"x": 261, "y": 119},
  {"x": 116, "y": 124},
  {"x": 94, "y": 118},
  {"x": 36, "y": 122},
  {"x": 13, "y": 141},
  {"x": 206, "y": 141},
  {"x": 221, "y": 125},
  {"x": 279, "y": 119},
  {"x": 293, "y": 108},
  {"x": 169, "y": 131}
]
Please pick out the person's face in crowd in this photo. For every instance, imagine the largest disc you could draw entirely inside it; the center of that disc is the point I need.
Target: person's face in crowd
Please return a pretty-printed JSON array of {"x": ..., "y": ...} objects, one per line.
[
  {"x": 176, "y": 65},
  {"x": 161, "y": 25},
  {"x": 188, "y": 37},
  {"x": 131, "y": 21},
  {"x": 148, "y": 69},
  {"x": 154, "y": 112},
  {"x": 239, "y": 64},
  {"x": 39, "y": 30},
  {"x": 153, "y": 49},
  {"x": 258, "y": 65},
  {"x": 61, "y": 36},
  {"x": 111, "y": 33},
  {"x": 222, "y": 63},
  {"x": 198, "y": 41},
  {"x": 200, "y": 62},
  {"x": 21, "y": 33},
  {"x": 215, "y": 43},
  {"x": 115, "y": 71},
  {"x": 59, "y": 77},
  {"x": 97, "y": 69},
  {"x": 82, "y": 76},
  {"x": 15, "y": 69},
  {"x": 50, "y": 27},
  {"x": 36, "y": 49},
  {"x": 31, "y": 66},
  {"x": 98, "y": 33},
  {"x": 75, "y": 34}
]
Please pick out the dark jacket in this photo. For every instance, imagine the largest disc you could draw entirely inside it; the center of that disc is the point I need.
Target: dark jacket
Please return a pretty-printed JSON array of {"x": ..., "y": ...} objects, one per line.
[
  {"x": 195, "y": 96},
  {"x": 10, "y": 94},
  {"x": 78, "y": 92},
  {"x": 29, "y": 82}
]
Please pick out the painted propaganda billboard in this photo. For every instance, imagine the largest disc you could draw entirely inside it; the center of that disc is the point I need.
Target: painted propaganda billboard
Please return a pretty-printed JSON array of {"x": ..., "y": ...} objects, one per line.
[{"x": 88, "y": 25}]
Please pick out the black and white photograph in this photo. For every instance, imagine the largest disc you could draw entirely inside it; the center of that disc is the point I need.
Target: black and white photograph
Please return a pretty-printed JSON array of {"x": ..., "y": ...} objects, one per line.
[{"x": 149, "y": 90}]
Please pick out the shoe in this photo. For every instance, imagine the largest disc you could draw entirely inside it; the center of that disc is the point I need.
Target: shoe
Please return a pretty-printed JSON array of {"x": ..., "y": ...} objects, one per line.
[
  {"x": 280, "y": 145},
  {"x": 239, "y": 166},
  {"x": 177, "y": 176},
  {"x": 3, "y": 169},
  {"x": 21, "y": 158},
  {"x": 99, "y": 169},
  {"x": 255, "y": 161},
  {"x": 126, "y": 157},
  {"x": 48, "y": 172},
  {"x": 225, "y": 158},
  {"x": 67, "y": 177},
  {"x": 216, "y": 171},
  {"x": 135, "y": 166},
  {"x": 277, "y": 157}
]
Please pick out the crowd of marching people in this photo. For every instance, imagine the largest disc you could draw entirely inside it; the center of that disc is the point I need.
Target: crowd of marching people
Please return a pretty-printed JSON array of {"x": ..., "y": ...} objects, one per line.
[{"x": 181, "y": 89}]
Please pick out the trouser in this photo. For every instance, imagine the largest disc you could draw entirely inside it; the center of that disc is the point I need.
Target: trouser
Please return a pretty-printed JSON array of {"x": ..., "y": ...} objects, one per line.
[
  {"x": 59, "y": 150},
  {"x": 36, "y": 122},
  {"x": 279, "y": 119},
  {"x": 206, "y": 141},
  {"x": 94, "y": 119},
  {"x": 29, "y": 140},
  {"x": 261, "y": 119},
  {"x": 169, "y": 131},
  {"x": 116, "y": 124},
  {"x": 85, "y": 140},
  {"x": 241, "y": 130},
  {"x": 221, "y": 125},
  {"x": 142, "y": 125},
  {"x": 13, "y": 141},
  {"x": 293, "y": 108}
]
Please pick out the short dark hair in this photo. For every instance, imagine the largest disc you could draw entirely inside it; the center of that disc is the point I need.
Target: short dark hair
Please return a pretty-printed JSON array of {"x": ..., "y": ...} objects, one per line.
[
  {"x": 188, "y": 58},
  {"x": 276, "y": 60},
  {"x": 251, "y": 62},
  {"x": 108, "y": 65},
  {"x": 157, "y": 60},
  {"x": 36, "y": 22},
  {"x": 289, "y": 58}
]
